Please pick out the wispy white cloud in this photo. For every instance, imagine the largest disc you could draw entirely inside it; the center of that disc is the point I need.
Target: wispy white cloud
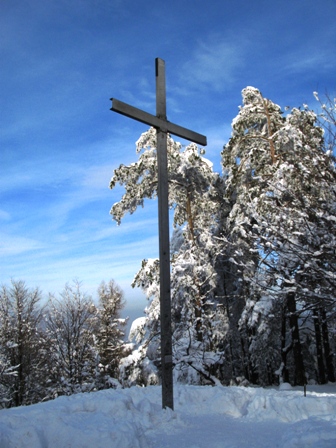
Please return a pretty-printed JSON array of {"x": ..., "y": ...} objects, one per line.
[
  {"x": 16, "y": 245},
  {"x": 302, "y": 60},
  {"x": 214, "y": 63},
  {"x": 53, "y": 266}
]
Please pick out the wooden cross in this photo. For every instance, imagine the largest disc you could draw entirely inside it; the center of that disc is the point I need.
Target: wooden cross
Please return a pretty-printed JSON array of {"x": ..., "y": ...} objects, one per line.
[{"x": 163, "y": 126}]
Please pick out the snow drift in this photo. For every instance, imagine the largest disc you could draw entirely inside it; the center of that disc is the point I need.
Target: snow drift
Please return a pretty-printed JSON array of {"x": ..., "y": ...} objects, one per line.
[{"x": 203, "y": 417}]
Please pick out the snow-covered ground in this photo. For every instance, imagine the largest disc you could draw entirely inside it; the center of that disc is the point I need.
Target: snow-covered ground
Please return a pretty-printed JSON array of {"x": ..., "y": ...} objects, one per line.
[{"x": 204, "y": 417}]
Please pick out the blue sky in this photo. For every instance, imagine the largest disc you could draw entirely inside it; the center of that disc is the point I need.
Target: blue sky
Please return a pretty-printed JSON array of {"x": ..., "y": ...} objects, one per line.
[{"x": 61, "y": 62}]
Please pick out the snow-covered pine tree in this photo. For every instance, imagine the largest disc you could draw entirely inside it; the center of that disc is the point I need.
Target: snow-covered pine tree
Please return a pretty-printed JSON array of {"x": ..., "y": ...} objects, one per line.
[
  {"x": 248, "y": 160},
  {"x": 282, "y": 187},
  {"x": 141, "y": 365},
  {"x": 326, "y": 118},
  {"x": 110, "y": 334},
  {"x": 22, "y": 350},
  {"x": 324, "y": 317},
  {"x": 195, "y": 194}
]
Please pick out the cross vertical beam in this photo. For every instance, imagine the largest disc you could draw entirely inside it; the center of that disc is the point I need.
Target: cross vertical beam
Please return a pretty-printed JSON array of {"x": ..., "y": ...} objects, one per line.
[
  {"x": 164, "y": 249},
  {"x": 163, "y": 126}
]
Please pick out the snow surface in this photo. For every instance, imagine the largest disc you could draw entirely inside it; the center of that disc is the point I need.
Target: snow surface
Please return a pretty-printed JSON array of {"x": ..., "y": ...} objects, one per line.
[{"x": 204, "y": 417}]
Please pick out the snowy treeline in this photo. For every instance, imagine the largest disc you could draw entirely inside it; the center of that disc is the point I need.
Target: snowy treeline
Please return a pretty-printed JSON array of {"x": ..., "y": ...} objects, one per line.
[
  {"x": 252, "y": 253},
  {"x": 68, "y": 345},
  {"x": 253, "y": 271}
]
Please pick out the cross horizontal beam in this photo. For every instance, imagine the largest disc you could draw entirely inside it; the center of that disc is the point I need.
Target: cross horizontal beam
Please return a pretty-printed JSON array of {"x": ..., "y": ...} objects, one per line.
[{"x": 157, "y": 122}]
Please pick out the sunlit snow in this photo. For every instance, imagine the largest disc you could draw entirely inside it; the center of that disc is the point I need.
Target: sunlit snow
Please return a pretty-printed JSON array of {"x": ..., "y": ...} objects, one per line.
[{"x": 204, "y": 417}]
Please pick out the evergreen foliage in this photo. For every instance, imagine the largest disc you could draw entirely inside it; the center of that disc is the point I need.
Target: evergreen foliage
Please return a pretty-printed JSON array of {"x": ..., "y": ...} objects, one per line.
[
  {"x": 22, "y": 346},
  {"x": 282, "y": 187},
  {"x": 195, "y": 193},
  {"x": 110, "y": 332},
  {"x": 252, "y": 253}
]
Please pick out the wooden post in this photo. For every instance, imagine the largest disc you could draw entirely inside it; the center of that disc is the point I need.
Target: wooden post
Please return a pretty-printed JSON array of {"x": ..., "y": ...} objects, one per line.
[
  {"x": 163, "y": 126},
  {"x": 164, "y": 246}
]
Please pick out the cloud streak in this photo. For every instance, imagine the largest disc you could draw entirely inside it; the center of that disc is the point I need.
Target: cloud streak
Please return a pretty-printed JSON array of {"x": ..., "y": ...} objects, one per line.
[{"x": 214, "y": 63}]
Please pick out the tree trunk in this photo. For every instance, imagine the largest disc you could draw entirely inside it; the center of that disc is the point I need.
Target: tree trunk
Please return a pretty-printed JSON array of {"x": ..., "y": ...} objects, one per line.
[
  {"x": 284, "y": 349},
  {"x": 20, "y": 376},
  {"x": 329, "y": 357},
  {"x": 319, "y": 349},
  {"x": 244, "y": 358},
  {"x": 231, "y": 359},
  {"x": 198, "y": 300},
  {"x": 299, "y": 376}
]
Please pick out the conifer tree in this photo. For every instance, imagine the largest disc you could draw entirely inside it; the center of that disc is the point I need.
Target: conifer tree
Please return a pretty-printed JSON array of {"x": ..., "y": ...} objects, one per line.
[
  {"x": 22, "y": 351},
  {"x": 110, "y": 334},
  {"x": 196, "y": 197},
  {"x": 282, "y": 187},
  {"x": 253, "y": 252}
]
